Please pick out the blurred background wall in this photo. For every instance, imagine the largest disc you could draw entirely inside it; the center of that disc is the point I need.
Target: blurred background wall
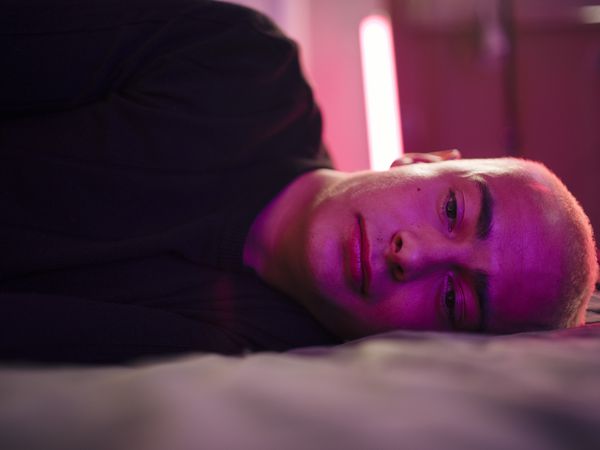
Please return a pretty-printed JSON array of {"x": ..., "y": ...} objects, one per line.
[{"x": 490, "y": 77}]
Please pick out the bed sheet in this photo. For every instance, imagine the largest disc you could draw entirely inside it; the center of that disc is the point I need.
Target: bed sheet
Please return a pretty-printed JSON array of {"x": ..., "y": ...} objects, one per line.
[{"x": 397, "y": 390}]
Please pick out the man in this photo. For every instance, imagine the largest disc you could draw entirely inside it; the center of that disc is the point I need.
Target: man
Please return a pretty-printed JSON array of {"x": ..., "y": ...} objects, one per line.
[
  {"x": 165, "y": 190},
  {"x": 487, "y": 245}
]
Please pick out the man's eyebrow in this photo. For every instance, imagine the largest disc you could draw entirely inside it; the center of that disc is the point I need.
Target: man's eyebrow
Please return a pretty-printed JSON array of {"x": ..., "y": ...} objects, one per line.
[
  {"x": 486, "y": 210},
  {"x": 481, "y": 285}
]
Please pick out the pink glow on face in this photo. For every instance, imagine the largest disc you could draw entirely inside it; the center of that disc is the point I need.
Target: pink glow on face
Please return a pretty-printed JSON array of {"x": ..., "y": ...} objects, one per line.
[
  {"x": 381, "y": 250},
  {"x": 381, "y": 91}
]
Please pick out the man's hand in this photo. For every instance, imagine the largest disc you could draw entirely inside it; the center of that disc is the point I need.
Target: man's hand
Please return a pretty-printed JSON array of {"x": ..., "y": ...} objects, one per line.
[{"x": 412, "y": 158}]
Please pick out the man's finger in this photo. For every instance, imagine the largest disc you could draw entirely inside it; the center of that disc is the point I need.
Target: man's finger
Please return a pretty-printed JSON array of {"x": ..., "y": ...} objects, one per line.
[
  {"x": 449, "y": 154},
  {"x": 440, "y": 155}
]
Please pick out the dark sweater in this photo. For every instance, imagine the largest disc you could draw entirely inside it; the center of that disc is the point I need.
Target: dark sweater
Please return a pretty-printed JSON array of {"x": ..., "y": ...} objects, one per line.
[{"x": 139, "y": 139}]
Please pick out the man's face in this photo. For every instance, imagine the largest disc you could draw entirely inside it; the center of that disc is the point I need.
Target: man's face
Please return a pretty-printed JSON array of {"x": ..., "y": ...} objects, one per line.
[{"x": 457, "y": 245}]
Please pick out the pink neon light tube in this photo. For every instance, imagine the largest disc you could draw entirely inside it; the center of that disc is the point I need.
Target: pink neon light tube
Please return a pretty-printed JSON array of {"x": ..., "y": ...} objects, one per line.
[{"x": 381, "y": 91}]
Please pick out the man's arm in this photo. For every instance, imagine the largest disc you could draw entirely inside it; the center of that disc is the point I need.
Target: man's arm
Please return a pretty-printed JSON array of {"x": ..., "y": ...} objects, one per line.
[{"x": 61, "y": 329}]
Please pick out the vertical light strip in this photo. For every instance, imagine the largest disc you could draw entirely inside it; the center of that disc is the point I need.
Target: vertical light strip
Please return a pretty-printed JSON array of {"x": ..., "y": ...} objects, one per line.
[{"x": 380, "y": 91}]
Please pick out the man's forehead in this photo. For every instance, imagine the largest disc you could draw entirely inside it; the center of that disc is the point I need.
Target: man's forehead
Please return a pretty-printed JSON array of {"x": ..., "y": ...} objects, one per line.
[
  {"x": 525, "y": 256},
  {"x": 525, "y": 300}
]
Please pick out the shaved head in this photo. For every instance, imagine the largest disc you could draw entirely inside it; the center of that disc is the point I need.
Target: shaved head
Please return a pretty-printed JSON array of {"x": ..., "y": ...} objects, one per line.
[{"x": 579, "y": 264}]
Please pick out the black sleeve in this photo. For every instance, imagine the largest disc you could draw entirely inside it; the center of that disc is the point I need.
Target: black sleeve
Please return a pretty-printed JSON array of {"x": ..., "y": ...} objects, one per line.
[
  {"x": 60, "y": 329},
  {"x": 166, "y": 96},
  {"x": 197, "y": 86}
]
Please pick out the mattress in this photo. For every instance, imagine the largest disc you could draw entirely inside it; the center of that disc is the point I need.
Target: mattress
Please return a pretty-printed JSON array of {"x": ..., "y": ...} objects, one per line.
[{"x": 413, "y": 390}]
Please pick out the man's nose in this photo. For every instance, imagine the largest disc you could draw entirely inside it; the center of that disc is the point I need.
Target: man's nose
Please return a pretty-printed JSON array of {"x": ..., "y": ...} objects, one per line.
[{"x": 412, "y": 254}]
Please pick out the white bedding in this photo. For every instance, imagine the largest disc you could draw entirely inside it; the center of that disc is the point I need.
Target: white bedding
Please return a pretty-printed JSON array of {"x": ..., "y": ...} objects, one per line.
[{"x": 399, "y": 390}]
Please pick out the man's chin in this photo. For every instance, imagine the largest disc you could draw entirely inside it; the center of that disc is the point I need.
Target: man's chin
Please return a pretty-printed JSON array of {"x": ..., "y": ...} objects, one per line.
[{"x": 341, "y": 316}]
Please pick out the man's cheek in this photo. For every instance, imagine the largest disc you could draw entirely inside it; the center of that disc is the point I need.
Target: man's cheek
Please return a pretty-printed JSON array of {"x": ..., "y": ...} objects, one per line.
[{"x": 410, "y": 305}]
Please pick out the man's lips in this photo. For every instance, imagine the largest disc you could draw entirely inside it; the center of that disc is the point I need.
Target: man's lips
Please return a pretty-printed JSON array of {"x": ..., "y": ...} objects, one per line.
[{"x": 359, "y": 257}]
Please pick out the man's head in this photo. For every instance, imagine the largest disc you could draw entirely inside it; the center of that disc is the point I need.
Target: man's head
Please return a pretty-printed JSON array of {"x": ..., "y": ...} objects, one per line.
[{"x": 498, "y": 245}]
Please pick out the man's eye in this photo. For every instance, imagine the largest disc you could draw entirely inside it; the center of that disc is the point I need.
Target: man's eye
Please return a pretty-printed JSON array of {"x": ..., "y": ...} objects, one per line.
[
  {"x": 451, "y": 210},
  {"x": 450, "y": 301},
  {"x": 454, "y": 303}
]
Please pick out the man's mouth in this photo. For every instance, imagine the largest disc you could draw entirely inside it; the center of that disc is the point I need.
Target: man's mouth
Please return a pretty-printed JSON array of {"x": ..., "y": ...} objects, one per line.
[{"x": 360, "y": 265}]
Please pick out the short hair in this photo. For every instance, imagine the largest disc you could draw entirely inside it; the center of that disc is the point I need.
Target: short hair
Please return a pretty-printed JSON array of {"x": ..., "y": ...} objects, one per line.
[{"x": 580, "y": 265}]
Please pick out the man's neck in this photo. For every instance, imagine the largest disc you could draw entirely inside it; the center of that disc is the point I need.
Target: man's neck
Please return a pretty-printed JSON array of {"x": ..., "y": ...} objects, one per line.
[{"x": 273, "y": 241}]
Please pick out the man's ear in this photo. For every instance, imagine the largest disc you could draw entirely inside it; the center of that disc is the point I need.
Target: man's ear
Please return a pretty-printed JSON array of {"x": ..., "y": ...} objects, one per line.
[{"x": 412, "y": 158}]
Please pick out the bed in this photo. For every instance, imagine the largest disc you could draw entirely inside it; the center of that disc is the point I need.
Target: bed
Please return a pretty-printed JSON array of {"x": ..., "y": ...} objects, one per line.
[{"x": 396, "y": 390}]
